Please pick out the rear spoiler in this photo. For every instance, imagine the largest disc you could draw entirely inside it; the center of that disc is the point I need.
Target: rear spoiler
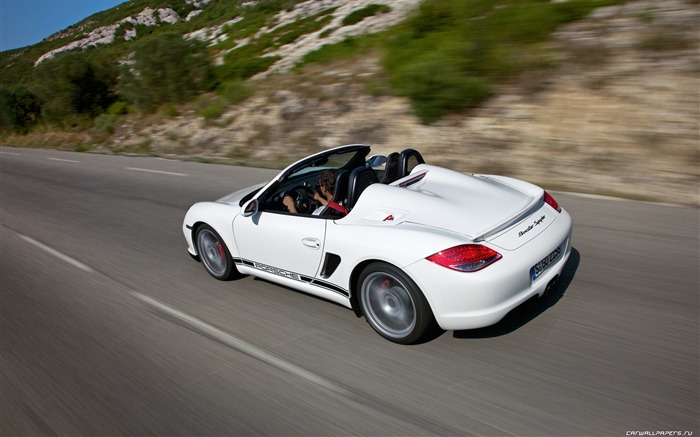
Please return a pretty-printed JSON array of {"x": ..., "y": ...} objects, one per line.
[{"x": 530, "y": 209}]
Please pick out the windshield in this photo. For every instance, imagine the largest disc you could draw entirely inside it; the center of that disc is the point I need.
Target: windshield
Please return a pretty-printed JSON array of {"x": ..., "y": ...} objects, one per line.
[
  {"x": 300, "y": 180},
  {"x": 342, "y": 160}
]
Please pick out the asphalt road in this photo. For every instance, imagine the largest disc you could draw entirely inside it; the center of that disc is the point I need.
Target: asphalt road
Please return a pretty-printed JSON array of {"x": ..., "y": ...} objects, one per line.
[{"x": 108, "y": 327}]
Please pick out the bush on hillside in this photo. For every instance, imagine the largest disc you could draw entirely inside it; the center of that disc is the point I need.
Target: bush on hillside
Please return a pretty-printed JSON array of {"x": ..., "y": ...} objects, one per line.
[
  {"x": 74, "y": 88},
  {"x": 235, "y": 91},
  {"x": 437, "y": 87},
  {"x": 367, "y": 11},
  {"x": 19, "y": 109},
  {"x": 244, "y": 66},
  {"x": 105, "y": 123},
  {"x": 449, "y": 56},
  {"x": 165, "y": 69}
]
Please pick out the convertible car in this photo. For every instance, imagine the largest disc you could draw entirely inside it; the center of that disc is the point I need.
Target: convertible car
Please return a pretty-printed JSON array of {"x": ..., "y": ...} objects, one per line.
[{"x": 415, "y": 248}]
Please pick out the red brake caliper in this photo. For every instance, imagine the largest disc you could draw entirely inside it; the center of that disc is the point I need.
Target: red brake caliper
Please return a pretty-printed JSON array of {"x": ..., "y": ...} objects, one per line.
[
  {"x": 221, "y": 250},
  {"x": 385, "y": 284}
]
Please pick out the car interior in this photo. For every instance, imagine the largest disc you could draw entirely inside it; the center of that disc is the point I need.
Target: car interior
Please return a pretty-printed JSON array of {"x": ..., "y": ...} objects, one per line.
[{"x": 351, "y": 182}]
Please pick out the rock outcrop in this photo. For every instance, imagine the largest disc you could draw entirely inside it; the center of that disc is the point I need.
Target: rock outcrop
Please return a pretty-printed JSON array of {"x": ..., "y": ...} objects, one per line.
[{"x": 106, "y": 34}]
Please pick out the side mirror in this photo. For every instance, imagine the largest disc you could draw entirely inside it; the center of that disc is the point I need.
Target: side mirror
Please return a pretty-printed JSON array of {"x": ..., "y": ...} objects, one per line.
[{"x": 250, "y": 208}]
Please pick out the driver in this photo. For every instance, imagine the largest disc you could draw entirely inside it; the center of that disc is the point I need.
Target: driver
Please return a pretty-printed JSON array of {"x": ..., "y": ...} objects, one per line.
[{"x": 326, "y": 181}]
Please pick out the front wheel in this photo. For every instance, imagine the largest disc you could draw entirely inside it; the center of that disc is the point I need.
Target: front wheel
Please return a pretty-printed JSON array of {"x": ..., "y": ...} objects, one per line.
[
  {"x": 214, "y": 254},
  {"x": 393, "y": 305}
]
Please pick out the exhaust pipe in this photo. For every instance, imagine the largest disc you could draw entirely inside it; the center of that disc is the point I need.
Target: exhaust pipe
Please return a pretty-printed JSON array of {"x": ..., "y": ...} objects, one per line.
[{"x": 551, "y": 285}]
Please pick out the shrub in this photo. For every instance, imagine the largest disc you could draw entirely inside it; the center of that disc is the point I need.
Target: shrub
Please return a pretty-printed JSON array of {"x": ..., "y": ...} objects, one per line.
[
  {"x": 368, "y": 11},
  {"x": 82, "y": 147},
  {"x": 166, "y": 69},
  {"x": 74, "y": 88},
  {"x": 212, "y": 110},
  {"x": 437, "y": 88},
  {"x": 170, "y": 111},
  {"x": 451, "y": 55},
  {"x": 19, "y": 109},
  {"x": 291, "y": 32},
  {"x": 105, "y": 123},
  {"x": 235, "y": 91},
  {"x": 349, "y": 47},
  {"x": 326, "y": 33},
  {"x": 118, "y": 108},
  {"x": 242, "y": 64}
]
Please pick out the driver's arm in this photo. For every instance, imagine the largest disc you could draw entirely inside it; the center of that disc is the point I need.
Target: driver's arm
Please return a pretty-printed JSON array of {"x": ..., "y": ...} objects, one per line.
[
  {"x": 289, "y": 203},
  {"x": 320, "y": 198}
]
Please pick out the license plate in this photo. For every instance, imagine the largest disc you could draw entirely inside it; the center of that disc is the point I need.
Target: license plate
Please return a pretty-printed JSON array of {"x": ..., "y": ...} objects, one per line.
[{"x": 547, "y": 261}]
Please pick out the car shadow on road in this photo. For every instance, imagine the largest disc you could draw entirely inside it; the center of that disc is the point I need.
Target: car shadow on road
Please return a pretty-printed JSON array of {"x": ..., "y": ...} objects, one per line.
[{"x": 530, "y": 309}]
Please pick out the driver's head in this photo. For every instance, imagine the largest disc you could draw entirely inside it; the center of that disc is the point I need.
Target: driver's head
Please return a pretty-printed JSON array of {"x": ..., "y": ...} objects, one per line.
[{"x": 327, "y": 180}]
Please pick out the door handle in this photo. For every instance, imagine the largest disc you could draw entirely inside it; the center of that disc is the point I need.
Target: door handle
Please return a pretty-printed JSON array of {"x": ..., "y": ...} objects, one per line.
[{"x": 311, "y": 242}]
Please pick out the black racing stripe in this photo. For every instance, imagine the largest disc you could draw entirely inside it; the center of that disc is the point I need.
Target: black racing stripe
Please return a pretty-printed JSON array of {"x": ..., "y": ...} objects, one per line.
[
  {"x": 331, "y": 287},
  {"x": 302, "y": 278}
]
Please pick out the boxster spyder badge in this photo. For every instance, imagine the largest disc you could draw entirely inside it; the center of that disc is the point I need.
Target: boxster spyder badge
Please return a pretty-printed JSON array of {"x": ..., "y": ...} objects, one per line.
[
  {"x": 532, "y": 226},
  {"x": 405, "y": 244}
]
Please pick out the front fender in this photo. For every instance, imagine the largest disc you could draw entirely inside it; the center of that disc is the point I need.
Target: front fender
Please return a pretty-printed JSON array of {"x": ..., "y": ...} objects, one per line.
[{"x": 219, "y": 216}]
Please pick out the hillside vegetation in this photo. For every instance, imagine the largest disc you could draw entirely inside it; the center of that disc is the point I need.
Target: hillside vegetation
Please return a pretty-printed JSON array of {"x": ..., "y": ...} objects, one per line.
[
  {"x": 592, "y": 96},
  {"x": 445, "y": 57}
]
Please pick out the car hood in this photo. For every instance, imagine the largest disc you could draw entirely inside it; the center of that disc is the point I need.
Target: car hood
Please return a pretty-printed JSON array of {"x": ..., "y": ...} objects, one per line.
[
  {"x": 473, "y": 205},
  {"x": 235, "y": 197}
]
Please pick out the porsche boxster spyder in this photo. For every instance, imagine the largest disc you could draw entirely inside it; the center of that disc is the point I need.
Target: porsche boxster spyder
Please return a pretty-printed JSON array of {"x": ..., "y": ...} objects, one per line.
[{"x": 413, "y": 246}]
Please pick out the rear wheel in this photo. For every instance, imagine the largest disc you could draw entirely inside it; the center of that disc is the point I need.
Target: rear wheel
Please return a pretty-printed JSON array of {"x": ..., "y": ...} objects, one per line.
[
  {"x": 214, "y": 254},
  {"x": 393, "y": 305}
]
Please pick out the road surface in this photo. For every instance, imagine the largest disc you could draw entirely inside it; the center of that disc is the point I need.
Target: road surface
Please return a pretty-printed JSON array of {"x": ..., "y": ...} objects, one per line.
[{"x": 108, "y": 327}]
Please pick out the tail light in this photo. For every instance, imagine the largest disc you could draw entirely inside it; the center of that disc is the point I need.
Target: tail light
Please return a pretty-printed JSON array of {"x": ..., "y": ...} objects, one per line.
[
  {"x": 549, "y": 200},
  {"x": 465, "y": 258}
]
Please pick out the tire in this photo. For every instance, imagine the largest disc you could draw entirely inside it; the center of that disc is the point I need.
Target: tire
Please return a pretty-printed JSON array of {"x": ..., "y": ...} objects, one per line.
[
  {"x": 393, "y": 305},
  {"x": 214, "y": 254}
]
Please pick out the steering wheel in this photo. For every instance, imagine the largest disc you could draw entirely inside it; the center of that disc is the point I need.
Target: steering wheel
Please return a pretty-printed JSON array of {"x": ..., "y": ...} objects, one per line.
[{"x": 303, "y": 198}]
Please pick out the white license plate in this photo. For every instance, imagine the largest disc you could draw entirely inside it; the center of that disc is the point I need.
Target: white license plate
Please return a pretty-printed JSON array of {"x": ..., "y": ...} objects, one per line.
[{"x": 547, "y": 261}]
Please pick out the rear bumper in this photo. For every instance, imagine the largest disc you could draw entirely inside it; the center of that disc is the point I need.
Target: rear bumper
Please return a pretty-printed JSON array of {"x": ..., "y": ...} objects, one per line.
[{"x": 474, "y": 300}]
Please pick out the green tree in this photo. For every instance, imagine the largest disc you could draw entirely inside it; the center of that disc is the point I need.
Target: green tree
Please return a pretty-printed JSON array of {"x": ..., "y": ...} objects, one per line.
[
  {"x": 74, "y": 87},
  {"x": 19, "y": 109},
  {"x": 165, "y": 69}
]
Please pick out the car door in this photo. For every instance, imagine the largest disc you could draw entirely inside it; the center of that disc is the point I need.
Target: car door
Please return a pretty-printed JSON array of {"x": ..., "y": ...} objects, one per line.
[{"x": 282, "y": 244}]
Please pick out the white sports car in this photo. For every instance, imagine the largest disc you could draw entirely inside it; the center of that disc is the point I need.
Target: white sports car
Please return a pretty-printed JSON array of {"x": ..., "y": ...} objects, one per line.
[{"x": 413, "y": 245}]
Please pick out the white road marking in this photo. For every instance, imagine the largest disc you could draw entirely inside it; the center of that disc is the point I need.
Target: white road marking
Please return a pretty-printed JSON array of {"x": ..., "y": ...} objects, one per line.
[
  {"x": 61, "y": 160},
  {"x": 10, "y": 153},
  {"x": 156, "y": 171},
  {"x": 57, "y": 254},
  {"x": 205, "y": 328},
  {"x": 238, "y": 344},
  {"x": 359, "y": 400}
]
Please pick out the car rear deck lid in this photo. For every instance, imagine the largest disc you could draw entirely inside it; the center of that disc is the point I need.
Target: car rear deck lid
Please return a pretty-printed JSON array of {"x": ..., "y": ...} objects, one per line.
[{"x": 467, "y": 204}]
